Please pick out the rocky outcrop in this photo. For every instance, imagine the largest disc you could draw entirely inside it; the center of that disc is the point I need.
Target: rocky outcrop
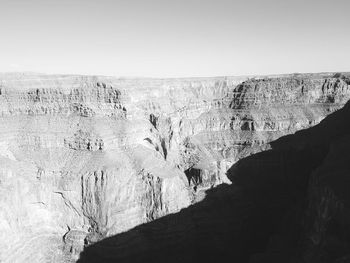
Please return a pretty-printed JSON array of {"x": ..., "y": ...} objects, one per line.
[
  {"x": 84, "y": 158},
  {"x": 270, "y": 212},
  {"x": 320, "y": 217},
  {"x": 327, "y": 229}
]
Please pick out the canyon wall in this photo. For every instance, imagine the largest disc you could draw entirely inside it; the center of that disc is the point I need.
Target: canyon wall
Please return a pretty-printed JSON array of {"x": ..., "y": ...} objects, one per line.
[{"x": 84, "y": 158}]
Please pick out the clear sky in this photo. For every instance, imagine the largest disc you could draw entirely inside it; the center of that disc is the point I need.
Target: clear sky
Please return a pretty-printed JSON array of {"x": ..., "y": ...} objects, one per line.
[{"x": 174, "y": 38}]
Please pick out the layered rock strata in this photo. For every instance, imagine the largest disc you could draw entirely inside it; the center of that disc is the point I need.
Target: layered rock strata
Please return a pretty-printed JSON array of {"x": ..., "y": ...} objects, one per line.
[
  {"x": 84, "y": 158},
  {"x": 286, "y": 204}
]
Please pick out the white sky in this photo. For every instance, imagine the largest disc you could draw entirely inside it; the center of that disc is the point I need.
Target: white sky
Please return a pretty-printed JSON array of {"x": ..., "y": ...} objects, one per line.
[{"x": 174, "y": 38}]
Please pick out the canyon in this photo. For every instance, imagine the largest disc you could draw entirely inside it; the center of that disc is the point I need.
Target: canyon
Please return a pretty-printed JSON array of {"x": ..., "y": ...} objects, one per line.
[{"x": 106, "y": 169}]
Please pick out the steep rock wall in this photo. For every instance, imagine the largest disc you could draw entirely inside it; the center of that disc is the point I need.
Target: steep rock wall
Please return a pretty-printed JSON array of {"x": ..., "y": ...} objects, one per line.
[{"x": 83, "y": 158}]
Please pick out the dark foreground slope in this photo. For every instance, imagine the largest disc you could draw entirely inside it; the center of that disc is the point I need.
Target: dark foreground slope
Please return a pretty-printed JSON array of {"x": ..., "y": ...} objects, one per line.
[{"x": 271, "y": 213}]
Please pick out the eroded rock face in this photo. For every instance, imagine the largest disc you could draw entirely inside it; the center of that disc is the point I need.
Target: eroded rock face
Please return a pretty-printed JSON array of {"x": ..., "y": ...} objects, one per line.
[{"x": 83, "y": 158}]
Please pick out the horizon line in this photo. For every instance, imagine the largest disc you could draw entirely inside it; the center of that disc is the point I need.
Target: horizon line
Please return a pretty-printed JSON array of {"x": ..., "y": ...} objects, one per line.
[{"x": 27, "y": 72}]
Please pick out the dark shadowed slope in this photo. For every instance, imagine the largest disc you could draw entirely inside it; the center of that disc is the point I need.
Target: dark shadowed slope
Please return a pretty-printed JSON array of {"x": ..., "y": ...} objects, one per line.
[{"x": 256, "y": 219}]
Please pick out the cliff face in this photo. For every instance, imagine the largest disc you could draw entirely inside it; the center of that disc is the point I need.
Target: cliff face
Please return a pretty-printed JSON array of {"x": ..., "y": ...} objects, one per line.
[
  {"x": 84, "y": 158},
  {"x": 327, "y": 214}
]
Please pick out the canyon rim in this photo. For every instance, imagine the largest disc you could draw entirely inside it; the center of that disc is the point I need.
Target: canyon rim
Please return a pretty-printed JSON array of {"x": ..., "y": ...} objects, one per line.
[{"x": 86, "y": 158}]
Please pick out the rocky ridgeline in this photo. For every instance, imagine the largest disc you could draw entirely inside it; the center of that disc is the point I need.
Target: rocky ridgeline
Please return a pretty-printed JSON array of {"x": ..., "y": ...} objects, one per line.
[{"x": 83, "y": 158}]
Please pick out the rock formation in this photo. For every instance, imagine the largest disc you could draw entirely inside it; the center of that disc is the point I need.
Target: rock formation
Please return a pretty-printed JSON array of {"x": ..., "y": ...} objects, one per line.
[{"x": 84, "y": 158}]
